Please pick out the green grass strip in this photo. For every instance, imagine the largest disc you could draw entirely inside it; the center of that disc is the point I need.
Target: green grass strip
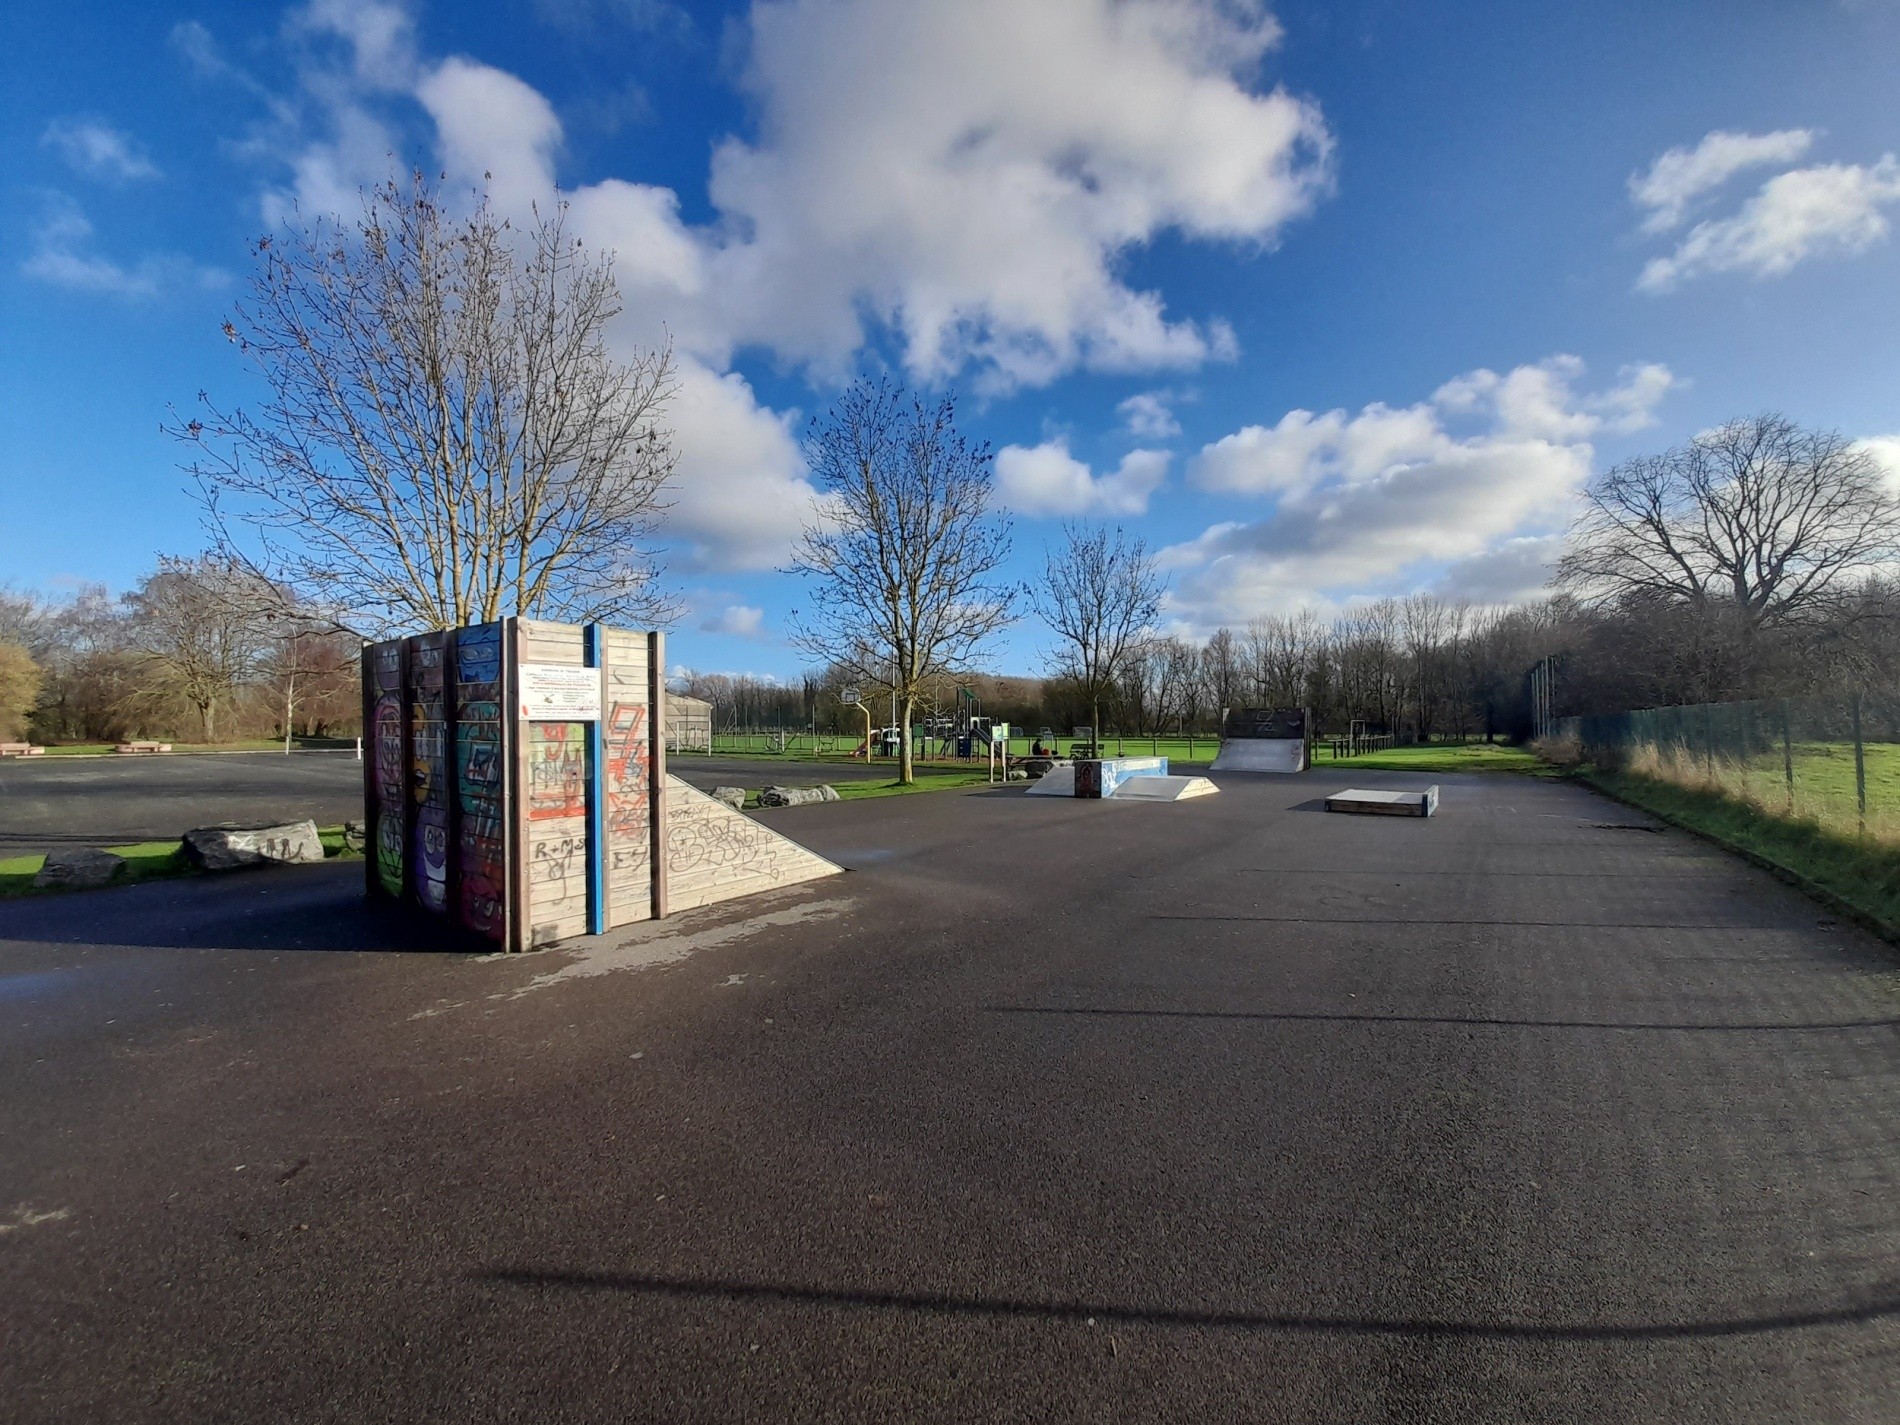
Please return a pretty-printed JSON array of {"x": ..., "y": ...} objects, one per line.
[{"x": 144, "y": 861}]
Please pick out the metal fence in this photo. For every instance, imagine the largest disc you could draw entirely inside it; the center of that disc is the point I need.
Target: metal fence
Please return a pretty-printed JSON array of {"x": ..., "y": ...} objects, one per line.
[{"x": 1833, "y": 761}]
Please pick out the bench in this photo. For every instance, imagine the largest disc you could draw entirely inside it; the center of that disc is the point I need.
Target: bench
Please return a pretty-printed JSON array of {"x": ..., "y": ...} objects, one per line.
[
  {"x": 21, "y": 749},
  {"x": 143, "y": 747}
]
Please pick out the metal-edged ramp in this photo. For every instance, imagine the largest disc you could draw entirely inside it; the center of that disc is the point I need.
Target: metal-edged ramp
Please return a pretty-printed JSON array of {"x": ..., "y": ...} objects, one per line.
[{"x": 1173, "y": 788}]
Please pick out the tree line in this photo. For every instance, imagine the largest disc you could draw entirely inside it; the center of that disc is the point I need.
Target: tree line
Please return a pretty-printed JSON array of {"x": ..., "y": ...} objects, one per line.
[{"x": 195, "y": 652}]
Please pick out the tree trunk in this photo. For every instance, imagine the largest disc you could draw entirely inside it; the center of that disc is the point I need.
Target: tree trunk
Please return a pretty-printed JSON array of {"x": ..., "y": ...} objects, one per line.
[{"x": 906, "y": 768}]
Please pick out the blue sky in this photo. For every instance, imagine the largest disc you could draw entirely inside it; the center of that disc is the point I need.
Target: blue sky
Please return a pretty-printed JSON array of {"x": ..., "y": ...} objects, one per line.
[{"x": 1328, "y": 300}]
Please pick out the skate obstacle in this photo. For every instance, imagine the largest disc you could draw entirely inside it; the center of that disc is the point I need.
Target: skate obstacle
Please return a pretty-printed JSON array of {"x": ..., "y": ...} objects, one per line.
[
  {"x": 1384, "y": 803},
  {"x": 514, "y": 787},
  {"x": 1128, "y": 779},
  {"x": 1264, "y": 740}
]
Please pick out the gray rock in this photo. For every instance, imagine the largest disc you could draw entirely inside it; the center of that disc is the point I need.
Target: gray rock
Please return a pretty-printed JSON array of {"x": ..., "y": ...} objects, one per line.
[
  {"x": 796, "y": 796},
  {"x": 224, "y": 848},
  {"x": 355, "y": 834},
  {"x": 79, "y": 868},
  {"x": 1039, "y": 766},
  {"x": 733, "y": 797}
]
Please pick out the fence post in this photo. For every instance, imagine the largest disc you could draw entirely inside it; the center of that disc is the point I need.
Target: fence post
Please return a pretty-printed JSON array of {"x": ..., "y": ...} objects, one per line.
[
  {"x": 1787, "y": 755},
  {"x": 1860, "y": 767}
]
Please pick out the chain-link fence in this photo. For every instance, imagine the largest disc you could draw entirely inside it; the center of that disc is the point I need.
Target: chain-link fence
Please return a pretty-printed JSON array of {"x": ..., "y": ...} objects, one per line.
[{"x": 1833, "y": 761}]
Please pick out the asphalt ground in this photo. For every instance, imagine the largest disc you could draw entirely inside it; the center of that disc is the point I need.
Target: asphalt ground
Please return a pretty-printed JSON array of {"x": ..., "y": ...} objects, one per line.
[
  {"x": 46, "y": 802},
  {"x": 1049, "y": 1110},
  {"x": 112, "y": 801}
]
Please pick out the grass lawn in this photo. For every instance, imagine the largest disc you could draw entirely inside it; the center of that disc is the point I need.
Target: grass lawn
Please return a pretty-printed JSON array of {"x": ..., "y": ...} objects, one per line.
[
  {"x": 144, "y": 861},
  {"x": 1823, "y": 789},
  {"x": 1439, "y": 757}
]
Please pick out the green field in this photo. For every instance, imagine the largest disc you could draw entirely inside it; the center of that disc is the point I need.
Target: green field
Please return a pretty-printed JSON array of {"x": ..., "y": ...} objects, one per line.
[
  {"x": 252, "y": 744},
  {"x": 144, "y": 861},
  {"x": 1823, "y": 789},
  {"x": 1189, "y": 753}
]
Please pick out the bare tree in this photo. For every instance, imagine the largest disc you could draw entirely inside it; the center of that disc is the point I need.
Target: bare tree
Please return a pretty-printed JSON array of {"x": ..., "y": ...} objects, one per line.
[
  {"x": 1101, "y": 593},
  {"x": 19, "y": 690},
  {"x": 200, "y": 631},
  {"x": 1760, "y": 515},
  {"x": 447, "y": 438},
  {"x": 904, "y": 552}
]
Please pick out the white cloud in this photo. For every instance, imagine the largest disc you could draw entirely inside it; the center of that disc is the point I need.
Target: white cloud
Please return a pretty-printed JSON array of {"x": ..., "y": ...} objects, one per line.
[
  {"x": 741, "y": 494},
  {"x": 968, "y": 173},
  {"x": 1149, "y": 415},
  {"x": 1513, "y": 572},
  {"x": 380, "y": 36},
  {"x": 492, "y": 130},
  {"x": 736, "y": 621},
  {"x": 1885, "y": 449},
  {"x": 96, "y": 149},
  {"x": 966, "y": 176},
  {"x": 1680, "y": 176},
  {"x": 62, "y": 253},
  {"x": 1377, "y": 501},
  {"x": 1046, "y": 480},
  {"x": 1806, "y": 212}
]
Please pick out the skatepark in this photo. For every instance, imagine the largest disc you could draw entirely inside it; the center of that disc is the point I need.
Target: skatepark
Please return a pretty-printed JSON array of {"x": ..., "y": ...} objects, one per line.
[{"x": 1508, "y": 1102}]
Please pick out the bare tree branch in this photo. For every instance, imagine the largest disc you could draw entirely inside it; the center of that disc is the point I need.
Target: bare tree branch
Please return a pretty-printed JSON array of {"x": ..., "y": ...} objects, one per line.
[{"x": 447, "y": 438}]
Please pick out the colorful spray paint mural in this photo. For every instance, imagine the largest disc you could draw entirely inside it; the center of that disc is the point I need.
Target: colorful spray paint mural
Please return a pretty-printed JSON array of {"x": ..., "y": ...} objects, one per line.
[
  {"x": 429, "y": 780},
  {"x": 479, "y": 777},
  {"x": 557, "y": 770},
  {"x": 388, "y": 778}
]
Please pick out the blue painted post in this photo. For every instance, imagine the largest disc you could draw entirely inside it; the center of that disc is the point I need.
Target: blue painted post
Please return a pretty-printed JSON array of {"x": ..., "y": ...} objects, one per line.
[{"x": 596, "y": 802}]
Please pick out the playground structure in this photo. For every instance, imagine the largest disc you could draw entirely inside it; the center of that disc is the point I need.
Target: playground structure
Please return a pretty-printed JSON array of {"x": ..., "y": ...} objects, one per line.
[
  {"x": 515, "y": 789},
  {"x": 1264, "y": 740},
  {"x": 964, "y": 733}
]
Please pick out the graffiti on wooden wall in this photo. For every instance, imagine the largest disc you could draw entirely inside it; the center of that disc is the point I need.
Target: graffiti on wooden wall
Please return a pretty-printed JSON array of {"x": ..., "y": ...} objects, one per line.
[
  {"x": 557, "y": 770},
  {"x": 388, "y": 779},
  {"x": 629, "y": 796},
  {"x": 712, "y": 843},
  {"x": 481, "y": 853},
  {"x": 428, "y": 788}
]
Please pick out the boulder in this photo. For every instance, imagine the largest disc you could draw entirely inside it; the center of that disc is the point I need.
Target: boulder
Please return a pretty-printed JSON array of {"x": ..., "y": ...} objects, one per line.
[
  {"x": 224, "y": 848},
  {"x": 733, "y": 797},
  {"x": 1038, "y": 766},
  {"x": 796, "y": 796},
  {"x": 79, "y": 868},
  {"x": 355, "y": 836}
]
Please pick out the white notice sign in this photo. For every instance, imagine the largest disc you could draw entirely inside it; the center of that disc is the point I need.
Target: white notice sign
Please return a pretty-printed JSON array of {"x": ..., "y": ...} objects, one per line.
[{"x": 553, "y": 692}]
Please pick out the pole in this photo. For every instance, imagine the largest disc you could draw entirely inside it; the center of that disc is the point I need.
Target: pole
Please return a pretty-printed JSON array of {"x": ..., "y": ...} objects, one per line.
[
  {"x": 1860, "y": 768},
  {"x": 1787, "y": 754}
]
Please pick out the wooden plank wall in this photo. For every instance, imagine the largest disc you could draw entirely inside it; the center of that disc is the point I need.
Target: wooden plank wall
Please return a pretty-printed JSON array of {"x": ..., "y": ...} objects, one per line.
[
  {"x": 714, "y": 853},
  {"x": 554, "y": 841},
  {"x": 626, "y": 731}
]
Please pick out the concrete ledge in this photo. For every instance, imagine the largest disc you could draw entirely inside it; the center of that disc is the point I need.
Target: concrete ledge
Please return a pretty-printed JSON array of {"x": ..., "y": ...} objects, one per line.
[{"x": 1381, "y": 803}]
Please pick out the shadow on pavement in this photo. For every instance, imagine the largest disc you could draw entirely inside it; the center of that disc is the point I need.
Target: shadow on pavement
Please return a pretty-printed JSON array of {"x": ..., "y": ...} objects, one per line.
[
  {"x": 1885, "y": 1302},
  {"x": 291, "y": 908}
]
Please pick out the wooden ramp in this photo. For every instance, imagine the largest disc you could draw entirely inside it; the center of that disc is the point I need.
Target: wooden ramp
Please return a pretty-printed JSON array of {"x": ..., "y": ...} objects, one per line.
[{"x": 714, "y": 853}]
